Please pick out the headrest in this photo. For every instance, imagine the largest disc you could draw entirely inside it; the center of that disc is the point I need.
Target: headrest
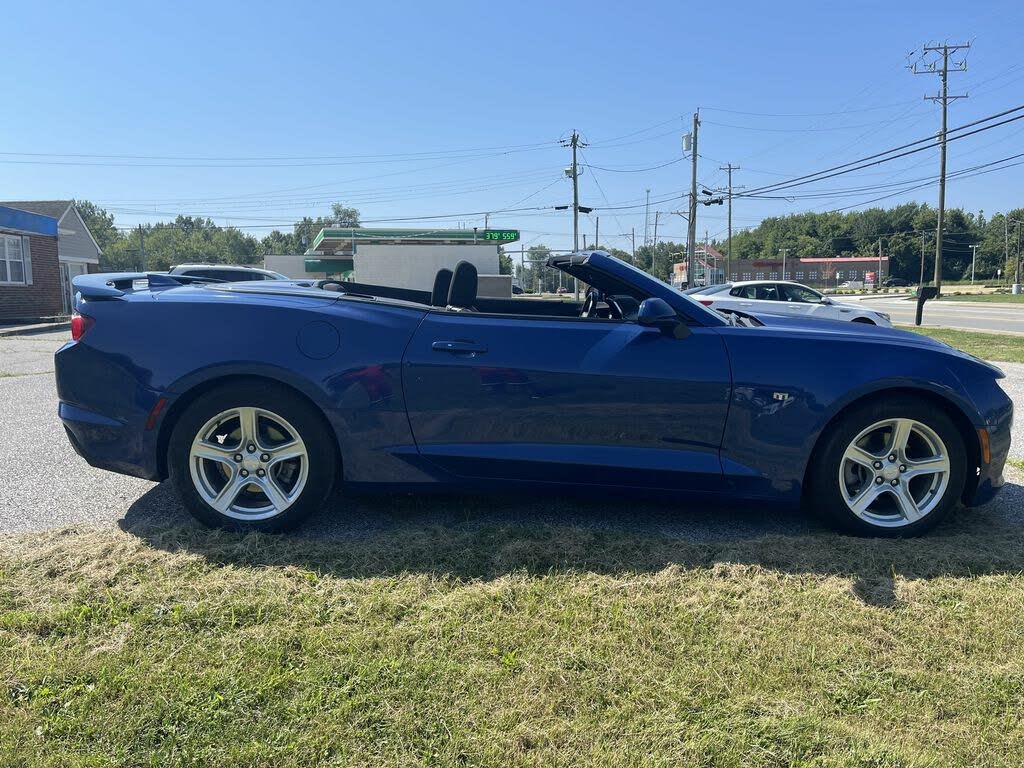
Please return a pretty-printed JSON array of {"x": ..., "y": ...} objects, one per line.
[
  {"x": 462, "y": 294},
  {"x": 442, "y": 282}
]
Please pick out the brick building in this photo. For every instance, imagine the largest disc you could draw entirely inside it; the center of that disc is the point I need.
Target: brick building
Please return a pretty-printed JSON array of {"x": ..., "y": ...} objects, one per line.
[
  {"x": 29, "y": 266},
  {"x": 817, "y": 272},
  {"x": 78, "y": 252}
]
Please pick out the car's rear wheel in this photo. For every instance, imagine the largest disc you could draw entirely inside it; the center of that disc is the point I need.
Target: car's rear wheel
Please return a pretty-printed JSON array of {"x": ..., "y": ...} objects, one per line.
[
  {"x": 252, "y": 456},
  {"x": 890, "y": 469}
]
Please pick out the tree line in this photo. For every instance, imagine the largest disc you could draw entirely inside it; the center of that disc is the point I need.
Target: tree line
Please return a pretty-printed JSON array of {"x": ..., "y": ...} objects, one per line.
[
  {"x": 905, "y": 231},
  {"x": 195, "y": 239}
]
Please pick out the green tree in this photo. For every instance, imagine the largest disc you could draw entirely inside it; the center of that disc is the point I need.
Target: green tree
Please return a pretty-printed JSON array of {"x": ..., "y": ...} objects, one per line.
[{"x": 99, "y": 222}]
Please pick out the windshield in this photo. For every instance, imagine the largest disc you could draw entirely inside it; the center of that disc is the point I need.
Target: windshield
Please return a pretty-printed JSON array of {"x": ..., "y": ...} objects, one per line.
[{"x": 643, "y": 277}]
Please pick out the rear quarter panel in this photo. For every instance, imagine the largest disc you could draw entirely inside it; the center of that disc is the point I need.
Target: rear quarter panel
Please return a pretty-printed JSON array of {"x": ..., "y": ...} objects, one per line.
[{"x": 344, "y": 355}]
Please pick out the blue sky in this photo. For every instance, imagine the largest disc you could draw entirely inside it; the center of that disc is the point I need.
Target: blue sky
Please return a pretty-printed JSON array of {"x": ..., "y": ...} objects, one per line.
[{"x": 258, "y": 113}]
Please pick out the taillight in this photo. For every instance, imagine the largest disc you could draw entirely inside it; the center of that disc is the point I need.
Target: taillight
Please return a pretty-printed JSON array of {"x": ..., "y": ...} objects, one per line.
[
  {"x": 706, "y": 302},
  {"x": 80, "y": 325}
]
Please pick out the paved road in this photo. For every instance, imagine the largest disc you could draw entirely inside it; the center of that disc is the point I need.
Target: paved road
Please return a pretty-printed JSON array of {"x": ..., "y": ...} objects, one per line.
[
  {"x": 44, "y": 484},
  {"x": 969, "y": 315}
]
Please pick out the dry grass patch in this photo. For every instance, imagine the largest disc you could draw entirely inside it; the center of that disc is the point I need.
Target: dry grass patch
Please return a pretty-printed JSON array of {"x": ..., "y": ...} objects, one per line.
[{"x": 511, "y": 645}]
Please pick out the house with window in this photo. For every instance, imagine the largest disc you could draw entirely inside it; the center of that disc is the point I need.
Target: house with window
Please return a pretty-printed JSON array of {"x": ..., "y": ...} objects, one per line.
[
  {"x": 29, "y": 271},
  {"x": 78, "y": 252}
]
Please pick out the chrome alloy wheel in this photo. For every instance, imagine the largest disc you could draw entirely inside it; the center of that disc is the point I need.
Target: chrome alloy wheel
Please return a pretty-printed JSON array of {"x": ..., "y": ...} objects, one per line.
[
  {"x": 248, "y": 463},
  {"x": 894, "y": 473}
]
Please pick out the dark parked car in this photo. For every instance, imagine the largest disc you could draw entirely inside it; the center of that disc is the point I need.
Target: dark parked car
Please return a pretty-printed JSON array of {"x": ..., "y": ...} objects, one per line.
[
  {"x": 895, "y": 282},
  {"x": 256, "y": 399},
  {"x": 226, "y": 273}
]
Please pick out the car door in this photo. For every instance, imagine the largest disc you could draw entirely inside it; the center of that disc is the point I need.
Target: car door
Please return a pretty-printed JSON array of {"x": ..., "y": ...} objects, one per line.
[
  {"x": 586, "y": 401},
  {"x": 757, "y": 297},
  {"x": 801, "y": 301}
]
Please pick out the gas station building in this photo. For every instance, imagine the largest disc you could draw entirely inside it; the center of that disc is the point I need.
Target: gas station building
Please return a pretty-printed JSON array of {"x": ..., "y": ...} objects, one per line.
[{"x": 403, "y": 258}]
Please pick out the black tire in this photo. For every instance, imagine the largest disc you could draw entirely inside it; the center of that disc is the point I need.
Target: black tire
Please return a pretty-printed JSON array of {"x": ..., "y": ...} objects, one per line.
[
  {"x": 825, "y": 495},
  {"x": 321, "y": 453},
  {"x": 863, "y": 320}
]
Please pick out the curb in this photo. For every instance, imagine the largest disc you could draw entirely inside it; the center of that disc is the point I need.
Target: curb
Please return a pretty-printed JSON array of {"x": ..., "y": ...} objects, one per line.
[{"x": 30, "y": 330}]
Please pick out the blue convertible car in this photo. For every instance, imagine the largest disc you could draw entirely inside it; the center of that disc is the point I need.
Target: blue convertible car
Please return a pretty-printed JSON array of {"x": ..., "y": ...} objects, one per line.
[{"x": 256, "y": 399}]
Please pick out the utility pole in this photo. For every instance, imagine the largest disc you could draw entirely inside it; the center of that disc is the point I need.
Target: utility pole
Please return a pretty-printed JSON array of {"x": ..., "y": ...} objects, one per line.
[
  {"x": 1016, "y": 272},
  {"x": 920, "y": 282},
  {"x": 784, "y": 251},
  {"x": 974, "y": 260},
  {"x": 1006, "y": 240},
  {"x": 691, "y": 230},
  {"x": 142, "y": 248},
  {"x": 878, "y": 277},
  {"x": 597, "y": 231},
  {"x": 632, "y": 232},
  {"x": 575, "y": 143},
  {"x": 706, "y": 261},
  {"x": 647, "y": 219},
  {"x": 943, "y": 98},
  {"x": 654, "y": 246},
  {"x": 729, "y": 168}
]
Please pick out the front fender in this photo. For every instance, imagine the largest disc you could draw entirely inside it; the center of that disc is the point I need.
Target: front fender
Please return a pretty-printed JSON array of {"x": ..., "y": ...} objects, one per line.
[{"x": 787, "y": 387}]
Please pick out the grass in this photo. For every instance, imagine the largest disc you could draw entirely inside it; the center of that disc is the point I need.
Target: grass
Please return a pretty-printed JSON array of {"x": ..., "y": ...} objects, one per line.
[
  {"x": 998, "y": 297},
  {"x": 1000, "y": 347},
  {"x": 499, "y": 645}
]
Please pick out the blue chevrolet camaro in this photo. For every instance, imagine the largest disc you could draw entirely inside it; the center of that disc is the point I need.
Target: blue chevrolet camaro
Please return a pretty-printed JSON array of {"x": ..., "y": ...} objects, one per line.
[{"x": 256, "y": 399}]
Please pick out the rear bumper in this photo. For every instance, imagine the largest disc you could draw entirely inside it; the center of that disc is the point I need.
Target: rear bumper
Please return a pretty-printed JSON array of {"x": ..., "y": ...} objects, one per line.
[
  {"x": 104, "y": 410},
  {"x": 107, "y": 443}
]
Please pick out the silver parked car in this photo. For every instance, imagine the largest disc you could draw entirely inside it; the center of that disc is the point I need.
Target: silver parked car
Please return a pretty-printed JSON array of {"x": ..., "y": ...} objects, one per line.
[{"x": 780, "y": 297}]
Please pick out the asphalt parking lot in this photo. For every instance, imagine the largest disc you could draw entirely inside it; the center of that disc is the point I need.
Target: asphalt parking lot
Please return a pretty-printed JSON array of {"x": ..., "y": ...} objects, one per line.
[{"x": 44, "y": 484}]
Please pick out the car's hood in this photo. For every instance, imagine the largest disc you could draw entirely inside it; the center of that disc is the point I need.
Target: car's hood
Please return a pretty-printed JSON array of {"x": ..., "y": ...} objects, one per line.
[{"x": 844, "y": 330}]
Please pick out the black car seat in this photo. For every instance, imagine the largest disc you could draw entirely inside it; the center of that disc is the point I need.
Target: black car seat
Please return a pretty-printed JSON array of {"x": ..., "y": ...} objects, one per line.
[
  {"x": 442, "y": 283},
  {"x": 462, "y": 293}
]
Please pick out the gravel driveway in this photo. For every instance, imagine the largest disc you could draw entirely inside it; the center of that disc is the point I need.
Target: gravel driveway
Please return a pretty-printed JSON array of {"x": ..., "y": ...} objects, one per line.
[{"x": 44, "y": 484}]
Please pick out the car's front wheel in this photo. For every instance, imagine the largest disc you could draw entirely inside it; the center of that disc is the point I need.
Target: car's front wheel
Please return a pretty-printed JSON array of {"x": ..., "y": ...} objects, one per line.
[
  {"x": 251, "y": 456},
  {"x": 895, "y": 468}
]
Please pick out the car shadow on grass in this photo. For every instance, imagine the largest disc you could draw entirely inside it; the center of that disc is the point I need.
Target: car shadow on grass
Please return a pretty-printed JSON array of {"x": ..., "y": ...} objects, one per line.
[{"x": 472, "y": 538}]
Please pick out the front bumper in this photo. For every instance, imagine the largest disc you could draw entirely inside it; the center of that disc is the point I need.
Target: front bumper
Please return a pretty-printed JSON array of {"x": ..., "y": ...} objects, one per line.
[{"x": 990, "y": 474}]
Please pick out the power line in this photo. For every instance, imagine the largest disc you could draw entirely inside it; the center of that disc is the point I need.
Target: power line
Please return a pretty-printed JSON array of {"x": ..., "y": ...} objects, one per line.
[
  {"x": 835, "y": 113},
  {"x": 864, "y": 161},
  {"x": 285, "y": 158},
  {"x": 636, "y": 170}
]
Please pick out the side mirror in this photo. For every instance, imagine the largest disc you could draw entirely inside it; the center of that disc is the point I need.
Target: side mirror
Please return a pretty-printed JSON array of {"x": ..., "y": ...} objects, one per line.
[{"x": 657, "y": 313}]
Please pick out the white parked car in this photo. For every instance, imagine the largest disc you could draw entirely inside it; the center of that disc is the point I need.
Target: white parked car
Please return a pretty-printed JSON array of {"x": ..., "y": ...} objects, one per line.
[{"x": 778, "y": 297}]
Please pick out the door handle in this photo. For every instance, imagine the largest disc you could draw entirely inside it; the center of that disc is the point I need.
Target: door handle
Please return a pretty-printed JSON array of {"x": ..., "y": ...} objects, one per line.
[{"x": 469, "y": 348}]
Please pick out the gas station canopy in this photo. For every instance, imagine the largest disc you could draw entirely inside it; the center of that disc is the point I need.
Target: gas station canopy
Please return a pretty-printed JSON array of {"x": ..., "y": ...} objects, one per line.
[{"x": 335, "y": 241}]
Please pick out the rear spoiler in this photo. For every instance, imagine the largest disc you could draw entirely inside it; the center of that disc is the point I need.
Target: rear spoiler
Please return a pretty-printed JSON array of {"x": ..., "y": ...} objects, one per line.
[{"x": 113, "y": 285}]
